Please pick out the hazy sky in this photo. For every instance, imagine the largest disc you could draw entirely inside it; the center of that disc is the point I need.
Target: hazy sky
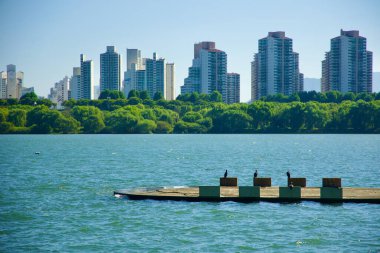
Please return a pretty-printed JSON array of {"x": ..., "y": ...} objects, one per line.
[{"x": 44, "y": 38}]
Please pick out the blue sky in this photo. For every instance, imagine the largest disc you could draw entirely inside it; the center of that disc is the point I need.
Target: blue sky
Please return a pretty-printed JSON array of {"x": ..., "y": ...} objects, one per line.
[{"x": 44, "y": 38}]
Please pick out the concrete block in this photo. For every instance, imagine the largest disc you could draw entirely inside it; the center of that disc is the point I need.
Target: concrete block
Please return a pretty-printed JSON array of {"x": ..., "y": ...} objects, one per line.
[
  {"x": 262, "y": 181},
  {"x": 287, "y": 193},
  {"x": 209, "y": 191},
  {"x": 228, "y": 181},
  {"x": 331, "y": 193},
  {"x": 249, "y": 191},
  {"x": 331, "y": 182},
  {"x": 297, "y": 181}
]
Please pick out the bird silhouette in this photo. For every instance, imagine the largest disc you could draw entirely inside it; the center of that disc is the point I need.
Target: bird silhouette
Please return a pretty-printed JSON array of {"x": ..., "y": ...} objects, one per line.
[
  {"x": 225, "y": 174},
  {"x": 288, "y": 174},
  {"x": 255, "y": 174}
]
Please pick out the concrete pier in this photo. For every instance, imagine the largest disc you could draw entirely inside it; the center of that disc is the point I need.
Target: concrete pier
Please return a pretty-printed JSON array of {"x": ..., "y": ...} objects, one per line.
[{"x": 253, "y": 194}]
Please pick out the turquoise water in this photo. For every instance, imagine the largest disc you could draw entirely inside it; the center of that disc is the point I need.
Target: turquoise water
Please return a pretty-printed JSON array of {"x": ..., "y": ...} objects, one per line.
[{"x": 61, "y": 200}]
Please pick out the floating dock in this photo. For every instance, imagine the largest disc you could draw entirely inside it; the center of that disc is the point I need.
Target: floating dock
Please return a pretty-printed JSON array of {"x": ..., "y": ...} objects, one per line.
[{"x": 255, "y": 193}]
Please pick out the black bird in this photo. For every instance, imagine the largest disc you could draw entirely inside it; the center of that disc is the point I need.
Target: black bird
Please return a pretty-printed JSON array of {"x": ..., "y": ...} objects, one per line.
[
  {"x": 255, "y": 175},
  {"x": 291, "y": 185},
  {"x": 288, "y": 174},
  {"x": 225, "y": 174}
]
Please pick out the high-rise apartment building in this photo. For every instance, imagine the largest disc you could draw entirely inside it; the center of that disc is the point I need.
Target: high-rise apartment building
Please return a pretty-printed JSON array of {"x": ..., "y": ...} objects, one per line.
[
  {"x": 134, "y": 77},
  {"x": 233, "y": 88},
  {"x": 275, "y": 68},
  {"x": 133, "y": 58},
  {"x": 208, "y": 71},
  {"x": 11, "y": 83},
  {"x": 348, "y": 65},
  {"x": 86, "y": 78},
  {"x": 110, "y": 70},
  {"x": 155, "y": 76},
  {"x": 60, "y": 92},
  {"x": 170, "y": 79},
  {"x": 3, "y": 85},
  {"x": 75, "y": 85}
]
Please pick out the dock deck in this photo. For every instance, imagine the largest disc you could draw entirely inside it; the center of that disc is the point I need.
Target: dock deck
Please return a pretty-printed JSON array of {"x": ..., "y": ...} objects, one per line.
[{"x": 269, "y": 194}]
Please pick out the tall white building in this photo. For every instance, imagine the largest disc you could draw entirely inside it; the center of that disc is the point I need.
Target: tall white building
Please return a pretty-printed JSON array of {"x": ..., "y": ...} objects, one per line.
[
  {"x": 60, "y": 92},
  {"x": 14, "y": 82},
  {"x": 3, "y": 85},
  {"x": 348, "y": 65},
  {"x": 110, "y": 70},
  {"x": 133, "y": 58},
  {"x": 134, "y": 79},
  {"x": 75, "y": 86},
  {"x": 170, "y": 81},
  {"x": 87, "y": 78}
]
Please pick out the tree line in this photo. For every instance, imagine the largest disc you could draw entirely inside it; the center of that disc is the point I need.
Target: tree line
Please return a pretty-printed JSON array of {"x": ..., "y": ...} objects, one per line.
[{"x": 190, "y": 113}]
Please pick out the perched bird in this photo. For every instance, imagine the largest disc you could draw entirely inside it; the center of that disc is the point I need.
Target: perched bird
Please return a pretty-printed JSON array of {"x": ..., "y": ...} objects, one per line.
[
  {"x": 291, "y": 185},
  {"x": 288, "y": 174},
  {"x": 255, "y": 174},
  {"x": 225, "y": 174}
]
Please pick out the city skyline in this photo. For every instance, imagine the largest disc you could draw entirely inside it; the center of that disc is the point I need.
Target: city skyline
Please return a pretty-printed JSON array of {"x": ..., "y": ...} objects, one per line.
[{"x": 35, "y": 37}]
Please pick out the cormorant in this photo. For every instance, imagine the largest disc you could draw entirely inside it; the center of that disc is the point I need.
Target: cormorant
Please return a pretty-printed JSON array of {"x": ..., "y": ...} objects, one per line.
[
  {"x": 255, "y": 175},
  {"x": 225, "y": 174},
  {"x": 288, "y": 174}
]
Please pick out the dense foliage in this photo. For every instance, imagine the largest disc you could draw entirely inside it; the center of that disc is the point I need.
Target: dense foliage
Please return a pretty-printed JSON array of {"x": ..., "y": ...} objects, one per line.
[
  {"x": 194, "y": 113},
  {"x": 322, "y": 97}
]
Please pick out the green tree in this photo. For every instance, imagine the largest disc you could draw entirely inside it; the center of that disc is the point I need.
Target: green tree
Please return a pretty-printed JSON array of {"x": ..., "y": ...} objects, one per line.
[
  {"x": 144, "y": 95},
  {"x": 112, "y": 94},
  {"x": 163, "y": 127},
  {"x": 29, "y": 99},
  {"x": 90, "y": 117},
  {"x": 349, "y": 96},
  {"x": 232, "y": 121},
  {"x": 182, "y": 127},
  {"x": 133, "y": 94},
  {"x": 42, "y": 120},
  {"x": 192, "y": 117},
  {"x": 157, "y": 96},
  {"x": 5, "y": 127},
  {"x": 362, "y": 115},
  {"x": 69, "y": 103},
  {"x": 134, "y": 101},
  {"x": 194, "y": 97},
  {"x": 122, "y": 121},
  {"x": 17, "y": 117},
  {"x": 3, "y": 114},
  {"x": 315, "y": 117},
  {"x": 146, "y": 126},
  {"x": 261, "y": 113},
  {"x": 215, "y": 96}
]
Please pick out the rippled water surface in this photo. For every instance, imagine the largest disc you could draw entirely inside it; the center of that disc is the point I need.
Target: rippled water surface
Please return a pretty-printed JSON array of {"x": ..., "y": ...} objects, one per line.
[{"x": 61, "y": 199}]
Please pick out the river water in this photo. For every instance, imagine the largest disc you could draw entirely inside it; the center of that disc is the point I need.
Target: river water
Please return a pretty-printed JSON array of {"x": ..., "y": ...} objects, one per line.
[{"x": 61, "y": 199}]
